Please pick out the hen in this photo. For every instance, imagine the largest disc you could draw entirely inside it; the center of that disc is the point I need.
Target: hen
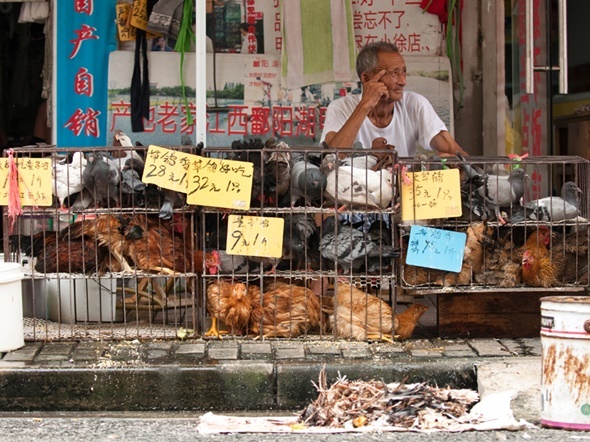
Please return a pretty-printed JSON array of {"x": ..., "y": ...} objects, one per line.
[
  {"x": 408, "y": 319},
  {"x": 231, "y": 303},
  {"x": 538, "y": 269},
  {"x": 53, "y": 255},
  {"x": 285, "y": 310},
  {"x": 361, "y": 316}
]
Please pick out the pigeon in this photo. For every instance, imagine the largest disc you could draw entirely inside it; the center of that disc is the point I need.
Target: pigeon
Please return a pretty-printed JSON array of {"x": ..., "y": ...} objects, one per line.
[
  {"x": 171, "y": 199},
  {"x": 101, "y": 178},
  {"x": 307, "y": 180},
  {"x": 353, "y": 186},
  {"x": 131, "y": 183},
  {"x": 67, "y": 177},
  {"x": 555, "y": 208},
  {"x": 500, "y": 191},
  {"x": 350, "y": 248},
  {"x": 120, "y": 156},
  {"x": 277, "y": 173}
]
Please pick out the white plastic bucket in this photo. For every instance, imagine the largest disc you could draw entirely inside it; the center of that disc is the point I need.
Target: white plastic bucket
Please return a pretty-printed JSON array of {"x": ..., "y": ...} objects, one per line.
[
  {"x": 565, "y": 341},
  {"x": 82, "y": 300},
  {"x": 11, "y": 306}
]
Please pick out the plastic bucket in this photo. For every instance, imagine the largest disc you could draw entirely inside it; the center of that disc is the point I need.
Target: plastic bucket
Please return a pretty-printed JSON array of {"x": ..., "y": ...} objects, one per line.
[
  {"x": 11, "y": 306},
  {"x": 565, "y": 341}
]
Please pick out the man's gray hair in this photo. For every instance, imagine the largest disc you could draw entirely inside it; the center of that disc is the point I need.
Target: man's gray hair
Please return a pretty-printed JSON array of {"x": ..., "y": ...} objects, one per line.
[{"x": 367, "y": 57}]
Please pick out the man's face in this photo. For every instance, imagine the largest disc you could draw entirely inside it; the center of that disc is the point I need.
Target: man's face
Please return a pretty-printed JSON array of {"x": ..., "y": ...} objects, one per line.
[{"x": 395, "y": 76}]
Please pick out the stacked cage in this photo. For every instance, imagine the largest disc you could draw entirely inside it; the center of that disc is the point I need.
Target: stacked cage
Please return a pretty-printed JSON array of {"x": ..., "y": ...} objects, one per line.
[
  {"x": 333, "y": 275},
  {"x": 110, "y": 257},
  {"x": 526, "y": 226}
]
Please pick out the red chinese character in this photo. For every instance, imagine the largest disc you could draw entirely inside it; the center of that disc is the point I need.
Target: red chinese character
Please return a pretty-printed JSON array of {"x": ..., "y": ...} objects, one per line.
[
  {"x": 121, "y": 109},
  {"x": 84, "y": 6},
  {"x": 84, "y": 83},
  {"x": 216, "y": 128},
  {"x": 167, "y": 121},
  {"x": 414, "y": 40},
  {"x": 237, "y": 117},
  {"x": 85, "y": 33},
  {"x": 184, "y": 126},
  {"x": 283, "y": 121},
  {"x": 87, "y": 122},
  {"x": 259, "y": 120}
]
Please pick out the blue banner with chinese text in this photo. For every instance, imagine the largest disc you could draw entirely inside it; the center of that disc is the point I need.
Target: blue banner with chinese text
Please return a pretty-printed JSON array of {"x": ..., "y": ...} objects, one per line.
[{"x": 85, "y": 37}]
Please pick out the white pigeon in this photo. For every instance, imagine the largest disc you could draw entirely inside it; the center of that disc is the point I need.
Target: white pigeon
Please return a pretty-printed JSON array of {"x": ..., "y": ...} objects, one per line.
[
  {"x": 122, "y": 155},
  {"x": 555, "y": 208},
  {"x": 353, "y": 186},
  {"x": 67, "y": 177},
  {"x": 502, "y": 190}
]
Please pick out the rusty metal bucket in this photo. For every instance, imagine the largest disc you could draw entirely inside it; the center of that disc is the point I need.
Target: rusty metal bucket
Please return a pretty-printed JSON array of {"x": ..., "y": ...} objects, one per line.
[{"x": 565, "y": 340}]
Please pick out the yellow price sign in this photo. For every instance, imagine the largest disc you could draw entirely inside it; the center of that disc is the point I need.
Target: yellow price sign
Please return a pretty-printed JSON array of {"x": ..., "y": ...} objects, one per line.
[
  {"x": 126, "y": 31},
  {"x": 431, "y": 195},
  {"x": 34, "y": 181},
  {"x": 221, "y": 183},
  {"x": 168, "y": 168},
  {"x": 255, "y": 236}
]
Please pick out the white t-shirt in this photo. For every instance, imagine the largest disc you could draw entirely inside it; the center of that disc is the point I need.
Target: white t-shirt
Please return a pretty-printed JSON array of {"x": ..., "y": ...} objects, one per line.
[{"x": 414, "y": 120}]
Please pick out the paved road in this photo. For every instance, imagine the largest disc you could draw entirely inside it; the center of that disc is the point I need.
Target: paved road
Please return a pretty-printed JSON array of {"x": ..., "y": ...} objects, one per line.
[{"x": 163, "y": 427}]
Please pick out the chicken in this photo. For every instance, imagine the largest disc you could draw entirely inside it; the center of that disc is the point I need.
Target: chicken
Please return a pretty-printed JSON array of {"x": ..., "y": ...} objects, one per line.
[
  {"x": 230, "y": 302},
  {"x": 538, "y": 270},
  {"x": 146, "y": 242},
  {"x": 53, "y": 255},
  {"x": 569, "y": 255},
  {"x": 408, "y": 319},
  {"x": 285, "y": 310},
  {"x": 477, "y": 235},
  {"x": 361, "y": 316}
]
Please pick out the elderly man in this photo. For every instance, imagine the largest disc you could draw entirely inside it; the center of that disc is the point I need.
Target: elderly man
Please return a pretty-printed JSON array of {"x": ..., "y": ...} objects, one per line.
[{"x": 385, "y": 110}]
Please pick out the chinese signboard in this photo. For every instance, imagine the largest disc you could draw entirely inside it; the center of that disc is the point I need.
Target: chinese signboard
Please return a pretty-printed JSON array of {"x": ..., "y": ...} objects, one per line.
[
  {"x": 255, "y": 236},
  {"x": 86, "y": 37},
  {"x": 34, "y": 181},
  {"x": 436, "y": 248},
  {"x": 431, "y": 195}
]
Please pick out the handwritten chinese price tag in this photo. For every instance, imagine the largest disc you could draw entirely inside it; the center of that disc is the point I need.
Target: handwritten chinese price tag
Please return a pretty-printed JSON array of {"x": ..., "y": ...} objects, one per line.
[
  {"x": 432, "y": 194},
  {"x": 221, "y": 183},
  {"x": 34, "y": 181},
  {"x": 255, "y": 236},
  {"x": 436, "y": 248},
  {"x": 168, "y": 168}
]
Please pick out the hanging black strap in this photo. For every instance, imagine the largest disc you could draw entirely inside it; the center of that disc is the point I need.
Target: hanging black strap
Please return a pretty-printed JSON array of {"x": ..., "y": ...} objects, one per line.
[
  {"x": 140, "y": 81},
  {"x": 139, "y": 110}
]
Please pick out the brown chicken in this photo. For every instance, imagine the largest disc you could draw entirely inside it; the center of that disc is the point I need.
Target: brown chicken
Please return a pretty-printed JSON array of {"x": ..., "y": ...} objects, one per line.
[
  {"x": 361, "y": 316},
  {"x": 146, "y": 242},
  {"x": 538, "y": 269},
  {"x": 285, "y": 310},
  {"x": 477, "y": 235},
  {"x": 231, "y": 303},
  {"x": 569, "y": 255},
  {"x": 408, "y": 319},
  {"x": 53, "y": 255}
]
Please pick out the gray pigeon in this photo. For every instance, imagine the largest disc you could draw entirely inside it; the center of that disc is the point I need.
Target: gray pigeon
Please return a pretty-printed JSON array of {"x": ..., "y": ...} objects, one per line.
[
  {"x": 101, "y": 179},
  {"x": 349, "y": 247},
  {"x": 307, "y": 181},
  {"x": 555, "y": 208},
  {"x": 502, "y": 191}
]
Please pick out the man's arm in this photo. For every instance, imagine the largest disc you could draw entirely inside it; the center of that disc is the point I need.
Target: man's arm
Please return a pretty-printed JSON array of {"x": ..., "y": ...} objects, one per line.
[
  {"x": 444, "y": 144},
  {"x": 373, "y": 90}
]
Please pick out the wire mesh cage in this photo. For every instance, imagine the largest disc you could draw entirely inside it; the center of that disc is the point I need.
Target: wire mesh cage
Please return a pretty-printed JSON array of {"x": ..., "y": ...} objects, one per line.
[
  {"x": 333, "y": 272},
  {"x": 525, "y": 221},
  {"x": 110, "y": 256}
]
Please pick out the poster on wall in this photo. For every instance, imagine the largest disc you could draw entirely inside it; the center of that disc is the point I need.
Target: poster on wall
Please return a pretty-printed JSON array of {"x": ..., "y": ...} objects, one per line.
[
  {"x": 246, "y": 99},
  {"x": 86, "y": 37}
]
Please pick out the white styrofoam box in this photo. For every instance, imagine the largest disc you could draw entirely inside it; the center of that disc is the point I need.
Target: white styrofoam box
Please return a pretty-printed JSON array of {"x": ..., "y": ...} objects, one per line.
[{"x": 82, "y": 300}]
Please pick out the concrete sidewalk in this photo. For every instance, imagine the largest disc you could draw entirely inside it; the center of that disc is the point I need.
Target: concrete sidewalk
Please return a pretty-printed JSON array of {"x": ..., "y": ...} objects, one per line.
[{"x": 249, "y": 375}]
